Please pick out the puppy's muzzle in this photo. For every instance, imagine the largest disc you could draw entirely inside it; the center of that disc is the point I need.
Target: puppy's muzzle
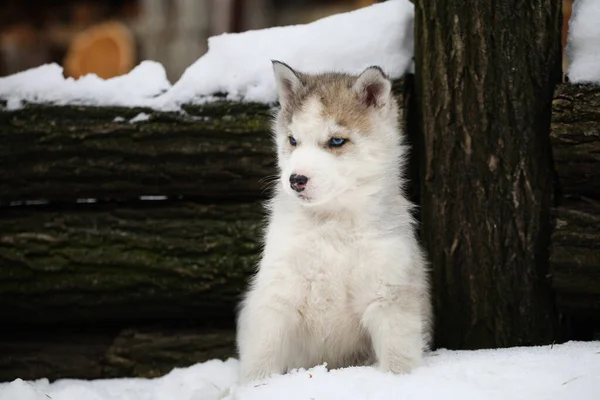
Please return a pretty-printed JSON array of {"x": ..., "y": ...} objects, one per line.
[{"x": 298, "y": 182}]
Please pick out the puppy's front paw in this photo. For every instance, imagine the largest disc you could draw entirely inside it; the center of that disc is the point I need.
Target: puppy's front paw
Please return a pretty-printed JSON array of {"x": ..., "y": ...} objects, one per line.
[
  {"x": 400, "y": 364},
  {"x": 255, "y": 375}
]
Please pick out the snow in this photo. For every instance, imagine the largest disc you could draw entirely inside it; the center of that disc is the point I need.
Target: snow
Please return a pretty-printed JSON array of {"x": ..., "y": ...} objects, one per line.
[
  {"x": 583, "y": 42},
  {"x": 46, "y": 84},
  {"x": 239, "y": 64},
  {"x": 141, "y": 117},
  {"x": 568, "y": 371}
]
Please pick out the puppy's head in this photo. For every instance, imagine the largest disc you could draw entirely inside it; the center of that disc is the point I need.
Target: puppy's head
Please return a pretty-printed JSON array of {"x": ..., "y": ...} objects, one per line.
[{"x": 336, "y": 134}]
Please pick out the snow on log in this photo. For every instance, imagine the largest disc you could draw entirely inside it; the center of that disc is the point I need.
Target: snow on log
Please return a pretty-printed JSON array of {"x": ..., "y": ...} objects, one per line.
[
  {"x": 237, "y": 65},
  {"x": 583, "y": 42}
]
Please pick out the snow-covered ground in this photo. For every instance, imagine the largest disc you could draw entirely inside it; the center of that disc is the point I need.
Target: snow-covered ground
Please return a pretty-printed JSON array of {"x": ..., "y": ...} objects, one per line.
[
  {"x": 569, "y": 371},
  {"x": 583, "y": 42},
  {"x": 238, "y": 64}
]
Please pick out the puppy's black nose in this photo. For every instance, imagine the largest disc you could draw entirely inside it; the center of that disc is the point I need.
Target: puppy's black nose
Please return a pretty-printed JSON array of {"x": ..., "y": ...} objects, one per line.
[{"x": 298, "y": 182}]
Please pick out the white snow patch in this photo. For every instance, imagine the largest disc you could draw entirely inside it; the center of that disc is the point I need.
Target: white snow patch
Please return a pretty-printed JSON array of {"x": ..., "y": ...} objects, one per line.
[
  {"x": 583, "y": 42},
  {"x": 568, "y": 371},
  {"x": 119, "y": 119},
  {"x": 139, "y": 118},
  {"x": 238, "y": 65},
  {"x": 46, "y": 84},
  {"x": 14, "y": 103}
]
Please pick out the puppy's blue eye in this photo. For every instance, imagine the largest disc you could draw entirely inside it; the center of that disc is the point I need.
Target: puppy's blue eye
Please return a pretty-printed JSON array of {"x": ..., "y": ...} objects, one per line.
[
  {"x": 293, "y": 141},
  {"x": 337, "y": 142}
]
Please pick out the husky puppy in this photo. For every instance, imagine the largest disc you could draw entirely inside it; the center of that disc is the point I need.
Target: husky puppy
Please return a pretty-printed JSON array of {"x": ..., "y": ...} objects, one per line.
[{"x": 342, "y": 279}]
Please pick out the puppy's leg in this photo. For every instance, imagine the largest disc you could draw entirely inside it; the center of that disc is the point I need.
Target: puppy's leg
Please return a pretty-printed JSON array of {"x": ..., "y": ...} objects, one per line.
[
  {"x": 265, "y": 338},
  {"x": 396, "y": 325}
]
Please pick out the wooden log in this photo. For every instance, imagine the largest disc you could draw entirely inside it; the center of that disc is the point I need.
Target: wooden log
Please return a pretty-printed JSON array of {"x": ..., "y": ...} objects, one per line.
[
  {"x": 218, "y": 151},
  {"x": 575, "y": 258},
  {"x": 575, "y": 133},
  {"x": 154, "y": 352},
  {"x": 146, "y": 352},
  {"x": 106, "y": 49},
  {"x": 140, "y": 262},
  {"x": 145, "y": 261}
]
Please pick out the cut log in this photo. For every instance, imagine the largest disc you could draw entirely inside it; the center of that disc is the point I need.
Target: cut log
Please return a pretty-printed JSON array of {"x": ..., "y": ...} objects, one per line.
[
  {"x": 575, "y": 251},
  {"x": 140, "y": 352},
  {"x": 221, "y": 151},
  {"x": 218, "y": 151},
  {"x": 126, "y": 263},
  {"x": 575, "y": 133},
  {"x": 575, "y": 259},
  {"x": 106, "y": 49},
  {"x": 151, "y": 353}
]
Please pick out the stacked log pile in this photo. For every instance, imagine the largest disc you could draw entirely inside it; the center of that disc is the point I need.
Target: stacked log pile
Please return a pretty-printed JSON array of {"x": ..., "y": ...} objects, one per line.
[
  {"x": 113, "y": 232},
  {"x": 124, "y": 246},
  {"x": 575, "y": 252}
]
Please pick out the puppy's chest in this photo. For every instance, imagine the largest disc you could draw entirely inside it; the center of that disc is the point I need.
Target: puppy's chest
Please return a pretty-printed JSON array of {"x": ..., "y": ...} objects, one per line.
[{"x": 327, "y": 283}]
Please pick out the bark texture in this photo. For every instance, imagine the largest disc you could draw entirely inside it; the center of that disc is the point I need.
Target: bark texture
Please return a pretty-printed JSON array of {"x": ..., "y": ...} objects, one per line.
[
  {"x": 485, "y": 78},
  {"x": 575, "y": 252},
  {"x": 576, "y": 139},
  {"x": 138, "y": 352},
  {"x": 218, "y": 151},
  {"x": 575, "y": 259},
  {"x": 110, "y": 262}
]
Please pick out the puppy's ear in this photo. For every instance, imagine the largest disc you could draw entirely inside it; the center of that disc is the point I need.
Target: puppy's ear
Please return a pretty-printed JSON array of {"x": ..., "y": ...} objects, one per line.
[
  {"x": 373, "y": 87},
  {"x": 288, "y": 82}
]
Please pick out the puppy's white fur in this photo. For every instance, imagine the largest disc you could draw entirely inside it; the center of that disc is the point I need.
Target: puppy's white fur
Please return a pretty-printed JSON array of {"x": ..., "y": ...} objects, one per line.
[{"x": 342, "y": 278}]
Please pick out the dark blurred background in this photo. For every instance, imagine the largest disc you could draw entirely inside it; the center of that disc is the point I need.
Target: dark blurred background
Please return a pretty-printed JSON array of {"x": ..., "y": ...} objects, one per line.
[{"x": 110, "y": 37}]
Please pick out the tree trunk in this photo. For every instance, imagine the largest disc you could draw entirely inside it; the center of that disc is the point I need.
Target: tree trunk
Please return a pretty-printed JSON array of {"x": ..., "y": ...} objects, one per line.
[{"x": 485, "y": 75}]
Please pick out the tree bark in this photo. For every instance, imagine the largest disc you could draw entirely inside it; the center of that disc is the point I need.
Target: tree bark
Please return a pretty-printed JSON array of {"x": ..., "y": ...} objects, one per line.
[
  {"x": 109, "y": 262},
  {"x": 576, "y": 139},
  {"x": 575, "y": 259},
  {"x": 219, "y": 151},
  {"x": 138, "y": 352},
  {"x": 485, "y": 75}
]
